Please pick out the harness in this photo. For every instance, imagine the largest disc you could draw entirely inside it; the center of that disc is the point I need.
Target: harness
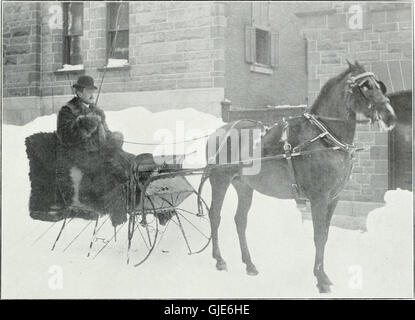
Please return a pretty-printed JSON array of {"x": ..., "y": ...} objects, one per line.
[
  {"x": 350, "y": 149},
  {"x": 290, "y": 152}
]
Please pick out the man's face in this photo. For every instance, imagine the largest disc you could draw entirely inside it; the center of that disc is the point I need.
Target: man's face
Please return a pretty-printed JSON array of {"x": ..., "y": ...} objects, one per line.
[{"x": 87, "y": 95}]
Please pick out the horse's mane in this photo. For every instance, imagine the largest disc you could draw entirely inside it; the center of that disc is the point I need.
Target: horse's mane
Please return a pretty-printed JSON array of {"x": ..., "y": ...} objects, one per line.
[{"x": 327, "y": 88}]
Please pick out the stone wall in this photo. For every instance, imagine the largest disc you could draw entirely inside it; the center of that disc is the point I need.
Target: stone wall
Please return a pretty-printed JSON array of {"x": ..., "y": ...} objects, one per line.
[
  {"x": 173, "y": 46},
  {"x": 21, "y": 49},
  {"x": 383, "y": 45},
  {"x": 287, "y": 85}
]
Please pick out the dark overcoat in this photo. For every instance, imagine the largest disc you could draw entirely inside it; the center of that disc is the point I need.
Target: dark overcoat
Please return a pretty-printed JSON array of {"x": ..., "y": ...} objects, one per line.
[{"x": 86, "y": 142}]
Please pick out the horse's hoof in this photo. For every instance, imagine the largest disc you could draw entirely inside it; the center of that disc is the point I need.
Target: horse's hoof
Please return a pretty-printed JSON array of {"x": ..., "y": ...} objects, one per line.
[
  {"x": 251, "y": 271},
  {"x": 327, "y": 280},
  {"x": 323, "y": 288},
  {"x": 221, "y": 266}
]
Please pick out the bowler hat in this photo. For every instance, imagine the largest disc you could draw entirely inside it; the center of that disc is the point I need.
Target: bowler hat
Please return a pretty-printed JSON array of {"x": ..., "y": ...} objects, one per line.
[{"x": 85, "y": 82}]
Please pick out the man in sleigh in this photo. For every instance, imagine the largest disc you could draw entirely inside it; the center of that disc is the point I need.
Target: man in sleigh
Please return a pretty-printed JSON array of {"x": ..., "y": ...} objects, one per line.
[{"x": 90, "y": 168}]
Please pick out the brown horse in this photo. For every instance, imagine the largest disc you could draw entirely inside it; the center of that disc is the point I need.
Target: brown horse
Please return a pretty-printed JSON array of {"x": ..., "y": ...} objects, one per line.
[{"x": 321, "y": 161}]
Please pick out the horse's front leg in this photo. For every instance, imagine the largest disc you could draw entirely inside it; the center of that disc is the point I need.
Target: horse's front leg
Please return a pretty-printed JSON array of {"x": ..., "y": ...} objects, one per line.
[{"x": 320, "y": 216}]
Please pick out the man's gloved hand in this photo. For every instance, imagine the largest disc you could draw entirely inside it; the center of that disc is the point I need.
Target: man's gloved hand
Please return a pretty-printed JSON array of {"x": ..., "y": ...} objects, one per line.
[
  {"x": 94, "y": 117},
  {"x": 97, "y": 111},
  {"x": 88, "y": 124}
]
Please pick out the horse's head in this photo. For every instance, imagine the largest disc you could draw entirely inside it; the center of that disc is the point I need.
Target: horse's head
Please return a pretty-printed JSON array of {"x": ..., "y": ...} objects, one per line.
[{"x": 368, "y": 94}]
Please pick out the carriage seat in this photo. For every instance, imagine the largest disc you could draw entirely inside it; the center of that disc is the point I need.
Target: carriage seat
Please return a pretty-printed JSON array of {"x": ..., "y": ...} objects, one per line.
[{"x": 147, "y": 162}]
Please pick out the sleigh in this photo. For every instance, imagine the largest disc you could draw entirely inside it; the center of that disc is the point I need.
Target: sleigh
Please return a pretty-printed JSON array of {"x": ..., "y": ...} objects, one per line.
[{"x": 151, "y": 200}]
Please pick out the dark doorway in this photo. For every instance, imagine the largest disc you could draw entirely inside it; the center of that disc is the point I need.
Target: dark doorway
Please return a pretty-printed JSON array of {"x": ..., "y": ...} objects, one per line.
[{"x": 400, "y": 142}]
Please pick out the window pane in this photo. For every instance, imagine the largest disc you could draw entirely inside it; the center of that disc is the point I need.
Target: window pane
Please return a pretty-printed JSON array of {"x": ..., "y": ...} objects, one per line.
[
  {"x": 262, "y": 47},
  {"x": 120, "y": 50},
  {"x": 75, "y": 50},
  {"x": 122, "y": 15},
  {"x": 75, "y": 16}
]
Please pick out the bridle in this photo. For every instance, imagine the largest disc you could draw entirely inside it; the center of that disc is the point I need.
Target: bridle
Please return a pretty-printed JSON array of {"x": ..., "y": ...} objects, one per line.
[
  {"x": 325, "y": 133},
  {"x": 358, "y": 81},
  {"x": 353, "y": 81}
]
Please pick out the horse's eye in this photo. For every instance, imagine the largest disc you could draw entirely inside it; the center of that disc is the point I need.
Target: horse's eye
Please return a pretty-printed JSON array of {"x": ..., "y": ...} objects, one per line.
[{"x": 366, "y": 86}]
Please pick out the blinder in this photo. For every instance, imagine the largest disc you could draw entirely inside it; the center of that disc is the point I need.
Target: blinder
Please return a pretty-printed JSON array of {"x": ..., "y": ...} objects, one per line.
[{"x": 362, "y": 79}]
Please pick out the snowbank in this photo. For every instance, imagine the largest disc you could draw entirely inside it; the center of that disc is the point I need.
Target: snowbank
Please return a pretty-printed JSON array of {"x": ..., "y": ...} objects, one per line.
[{"x": 281, "y": 244}]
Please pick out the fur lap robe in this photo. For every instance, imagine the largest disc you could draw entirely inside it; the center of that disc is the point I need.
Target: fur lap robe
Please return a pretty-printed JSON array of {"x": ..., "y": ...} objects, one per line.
[{"x": 102, "y": 178}]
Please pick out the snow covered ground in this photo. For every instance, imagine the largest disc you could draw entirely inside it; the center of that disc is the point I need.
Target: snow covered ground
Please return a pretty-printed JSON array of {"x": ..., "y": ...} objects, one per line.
[{"x": 377, "y": 263}]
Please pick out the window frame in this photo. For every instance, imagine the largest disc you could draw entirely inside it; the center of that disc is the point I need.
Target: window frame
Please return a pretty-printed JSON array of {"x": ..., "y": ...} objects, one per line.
[
  {"x": 269, "y": 35},
  {"x": 109, "y": 31},
  {"x": 66, "y": 56},
  {"x": 260, "y": 20},
  {"x": 255, "y": 6}
]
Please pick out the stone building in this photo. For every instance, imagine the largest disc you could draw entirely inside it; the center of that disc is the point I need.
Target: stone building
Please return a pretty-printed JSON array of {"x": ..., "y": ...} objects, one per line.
[
  {"x": 195, "y": 54},
  {"x": 179, "y": 54}
]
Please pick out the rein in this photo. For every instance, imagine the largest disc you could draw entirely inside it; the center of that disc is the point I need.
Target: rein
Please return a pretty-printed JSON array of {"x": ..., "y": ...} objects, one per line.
[
  {"x": 342, "y": 120},
  {"x": 326, "y": 133}
]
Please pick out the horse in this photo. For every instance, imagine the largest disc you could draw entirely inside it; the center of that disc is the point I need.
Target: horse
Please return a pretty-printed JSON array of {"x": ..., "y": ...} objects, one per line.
[{"x": 319, "y": 166}]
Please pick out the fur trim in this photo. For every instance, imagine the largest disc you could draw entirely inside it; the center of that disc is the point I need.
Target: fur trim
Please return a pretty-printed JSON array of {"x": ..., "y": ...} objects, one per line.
[{"x": 87, "y": 125}]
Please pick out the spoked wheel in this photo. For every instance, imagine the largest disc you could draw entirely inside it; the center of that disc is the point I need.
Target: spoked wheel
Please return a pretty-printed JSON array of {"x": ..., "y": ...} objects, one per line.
[
  {"x": 143, "y": 230},
  {"x": 190, "y": 219}
]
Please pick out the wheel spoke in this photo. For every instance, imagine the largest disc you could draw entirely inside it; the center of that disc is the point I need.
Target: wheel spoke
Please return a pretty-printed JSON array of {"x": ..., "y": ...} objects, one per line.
[
  {"x": 93, "y": 237},
  {"x": 77, "y": 236},
  {"x": 184, "y": 234},
  {"x": 142, "y": 236},
  {"x": 192, "y": 213},
  {"x": 64, "y": 224},
  {"x": 43, "y": 233},
  {"x": 200, "y": 231},
  {"x": 108, "y": 242}
]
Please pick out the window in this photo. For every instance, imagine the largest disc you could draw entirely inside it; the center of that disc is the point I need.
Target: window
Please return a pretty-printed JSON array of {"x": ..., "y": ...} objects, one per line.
[
  {"x": 261, "y": 44},
  {"x": 73, "y": 15},
  {"x": 117, "y": 41}
]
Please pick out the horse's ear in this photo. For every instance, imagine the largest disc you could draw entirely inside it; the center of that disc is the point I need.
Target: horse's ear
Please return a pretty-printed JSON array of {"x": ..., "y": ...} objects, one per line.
[
  {"x": 351, "y": 66},
  {"x": 357, "y": 64}
]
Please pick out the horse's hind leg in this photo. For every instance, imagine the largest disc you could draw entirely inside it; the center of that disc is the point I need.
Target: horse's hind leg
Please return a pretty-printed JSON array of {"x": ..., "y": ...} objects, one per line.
[
  {"x": 320, "y": 215},
  {"x": 219, "y": 183},
  {"x": 241, "y": 218}
]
